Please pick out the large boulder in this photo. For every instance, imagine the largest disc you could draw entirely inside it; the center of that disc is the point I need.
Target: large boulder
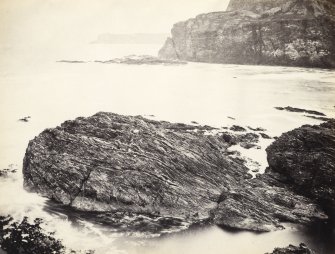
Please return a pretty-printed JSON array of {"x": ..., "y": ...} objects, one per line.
[
  {"x": 108, "y": 161},
  {"x": 306, "y": 156},
  {"x": 128, "y": 165},
  {"x": 267, "y": 32}
]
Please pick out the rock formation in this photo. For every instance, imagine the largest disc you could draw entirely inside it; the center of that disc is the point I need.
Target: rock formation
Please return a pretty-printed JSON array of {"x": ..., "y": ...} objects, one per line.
[
  {"x": 108, "y": 162},
  {"x": 267, "y": 32},
  {"x": 306, "y": 156},
  {"x": 111, "y": 163},
  {"x": 291, "y": 249}
]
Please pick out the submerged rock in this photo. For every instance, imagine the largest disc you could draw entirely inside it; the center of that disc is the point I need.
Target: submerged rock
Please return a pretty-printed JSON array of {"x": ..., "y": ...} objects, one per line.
[
  {"x": 142, "y": 59},
  {"x": 25, "y": 119},
  {"x": 71, "y": 61},
  {"x": 114, "y": 164},
  {"x": 299, "y": 110},
  {"x": 267, "y": 32},
  {"x": 306, "y": 156}
]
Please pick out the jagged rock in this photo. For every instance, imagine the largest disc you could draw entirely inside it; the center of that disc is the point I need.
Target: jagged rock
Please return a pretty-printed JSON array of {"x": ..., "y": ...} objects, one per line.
[
  {"x": 247, "y": 139},
  {"x": 265, "y": 136},
  {"x": 299, "y": 110},
  {"x": 271, "y": 32},
  {"x": 306, "y": 156},
  {"x": 237, "y": 128},
  {"x": 291, "y": 249},
  {"x": 113, "y": 164}
]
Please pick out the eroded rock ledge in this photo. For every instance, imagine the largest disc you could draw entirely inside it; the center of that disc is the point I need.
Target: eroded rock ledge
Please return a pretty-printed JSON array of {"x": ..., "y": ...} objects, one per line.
[{"x": 112, "y": 163}]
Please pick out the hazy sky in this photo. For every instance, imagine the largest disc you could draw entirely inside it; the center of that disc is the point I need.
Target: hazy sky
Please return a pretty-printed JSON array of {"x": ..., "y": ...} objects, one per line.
[{"x": 69, "y": 21}]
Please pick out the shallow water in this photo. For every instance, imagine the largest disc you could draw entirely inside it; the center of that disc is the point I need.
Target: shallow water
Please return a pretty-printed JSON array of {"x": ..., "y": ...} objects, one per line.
[{"x": 52, "y": 92}]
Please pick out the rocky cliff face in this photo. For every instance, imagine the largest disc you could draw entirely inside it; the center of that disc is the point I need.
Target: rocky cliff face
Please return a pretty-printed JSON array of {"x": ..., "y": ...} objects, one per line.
[
  {"x": 112, "y": 163},
  {"x": 269, "y": 32}
]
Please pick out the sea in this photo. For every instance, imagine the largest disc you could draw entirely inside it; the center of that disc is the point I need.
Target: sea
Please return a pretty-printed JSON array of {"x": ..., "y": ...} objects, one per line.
[{"x": 50, "y": 92}]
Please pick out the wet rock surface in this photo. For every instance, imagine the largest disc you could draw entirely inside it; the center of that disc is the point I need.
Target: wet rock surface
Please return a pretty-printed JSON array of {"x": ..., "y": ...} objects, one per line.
[
  {"x": 267, "y": 32},
  {"x": 306, "y": 156},
  {"x": 171, "y": 174}
]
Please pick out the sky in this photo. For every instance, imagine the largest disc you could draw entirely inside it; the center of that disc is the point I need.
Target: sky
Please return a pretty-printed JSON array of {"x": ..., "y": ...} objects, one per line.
[{"x": 39, "y": 22}]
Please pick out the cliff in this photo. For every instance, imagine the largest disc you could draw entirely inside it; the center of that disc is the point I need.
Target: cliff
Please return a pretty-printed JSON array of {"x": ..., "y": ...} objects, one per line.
[{"x": 267, "y": 32}]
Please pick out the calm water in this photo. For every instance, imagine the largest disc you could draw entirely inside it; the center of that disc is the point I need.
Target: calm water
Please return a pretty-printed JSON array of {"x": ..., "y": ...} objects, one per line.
[{"x": 52, "y": 92}]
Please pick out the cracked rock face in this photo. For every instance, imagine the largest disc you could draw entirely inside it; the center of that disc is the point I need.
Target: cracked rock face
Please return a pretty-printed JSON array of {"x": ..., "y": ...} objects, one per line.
[
  {"x": 266, "y": 32},
  {"x": 115, "y": 164}
]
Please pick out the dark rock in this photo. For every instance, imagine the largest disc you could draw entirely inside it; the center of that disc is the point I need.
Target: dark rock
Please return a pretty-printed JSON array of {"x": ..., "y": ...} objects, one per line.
[
  {"x": 247, "y": 139},
  {"x": 265, "y": 136},
  {"x": 291, "y": 249},
  {"x": 249, "y": 145},
  {"x": 306, "y": 156},
  {"x": 229, "y": 138},
  {"x": 25, "y": 119},
  {"x": 299, "y": 110},
  {"x": 321, "y": 118},
  {"x": 237, "y": 128},
  {"x": 113, "y": 164},
  {"x": 256, "y": 129},
  {"x": 267, "y": 32},
  {"x": 142, "y": 59}
]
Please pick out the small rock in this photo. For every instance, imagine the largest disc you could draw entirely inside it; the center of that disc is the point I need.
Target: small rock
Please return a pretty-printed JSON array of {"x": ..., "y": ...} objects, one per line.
[
  {"x": 265, "y": 136},
  {"x": 299, "y": 110},
  {"x": 291, "y": 249},
  {"x": 237, "y": 128},
  {"x": 256, "y": 129}
]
